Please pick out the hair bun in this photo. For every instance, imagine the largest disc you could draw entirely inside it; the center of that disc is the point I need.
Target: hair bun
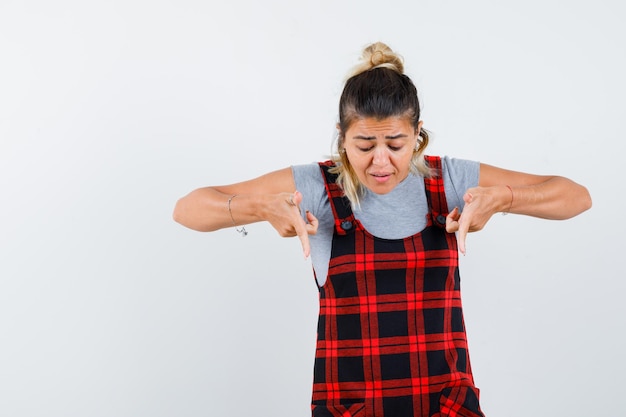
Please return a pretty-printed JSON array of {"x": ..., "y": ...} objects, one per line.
[{"x": 378, "y": 55}]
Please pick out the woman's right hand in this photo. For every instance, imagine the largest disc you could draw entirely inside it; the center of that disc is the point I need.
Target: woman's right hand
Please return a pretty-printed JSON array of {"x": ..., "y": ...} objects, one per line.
[
  {"x": 266, "y": 198},
  {"x": 284, "y": 215}
]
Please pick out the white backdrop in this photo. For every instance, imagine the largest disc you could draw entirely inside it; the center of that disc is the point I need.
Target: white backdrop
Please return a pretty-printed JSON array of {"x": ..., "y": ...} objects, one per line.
[{"x": 112, "y": 110}]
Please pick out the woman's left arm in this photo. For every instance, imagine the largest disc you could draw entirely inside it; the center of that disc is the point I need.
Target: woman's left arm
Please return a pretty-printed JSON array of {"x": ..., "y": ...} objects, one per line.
[{"x": 501, "y": 190}]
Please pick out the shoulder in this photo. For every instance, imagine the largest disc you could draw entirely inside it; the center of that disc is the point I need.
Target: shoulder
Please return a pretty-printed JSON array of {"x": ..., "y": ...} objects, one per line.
[
  {"x": 307, "y": 173},
  {"x": 458, "y": 175},
  {"x": 454, "y": 169},
  {"x": 310, "y": 182},
  {"x": 457, "y": 168}
]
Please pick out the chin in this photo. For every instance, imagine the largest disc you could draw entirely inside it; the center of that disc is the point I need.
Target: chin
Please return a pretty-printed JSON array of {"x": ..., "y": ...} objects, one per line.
[{"x": 382, "y": 189}]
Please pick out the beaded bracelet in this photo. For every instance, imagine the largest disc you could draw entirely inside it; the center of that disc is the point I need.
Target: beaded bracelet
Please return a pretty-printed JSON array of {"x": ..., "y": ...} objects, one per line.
[{"x": 243, "y": 230}]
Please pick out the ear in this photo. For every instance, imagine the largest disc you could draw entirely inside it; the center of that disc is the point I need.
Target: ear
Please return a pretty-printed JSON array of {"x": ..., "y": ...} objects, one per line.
[
  {"x": 419, "y": 127},
  {"x": 339, "y": 134}
]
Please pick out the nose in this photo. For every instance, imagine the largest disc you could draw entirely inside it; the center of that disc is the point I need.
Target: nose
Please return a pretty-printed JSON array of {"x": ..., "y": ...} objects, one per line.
[{"x": 381, "y": 156}]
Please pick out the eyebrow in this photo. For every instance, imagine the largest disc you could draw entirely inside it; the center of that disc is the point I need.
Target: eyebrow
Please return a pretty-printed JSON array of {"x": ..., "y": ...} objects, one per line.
[{"x": 398, "y": 136}]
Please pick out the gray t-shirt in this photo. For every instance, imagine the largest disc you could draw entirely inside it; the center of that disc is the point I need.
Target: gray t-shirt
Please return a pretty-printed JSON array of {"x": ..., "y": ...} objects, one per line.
[{"x": 395, "y": 215}]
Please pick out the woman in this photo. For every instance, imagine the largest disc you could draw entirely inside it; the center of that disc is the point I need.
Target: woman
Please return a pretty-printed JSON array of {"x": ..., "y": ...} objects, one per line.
[{"x": 379, "y": 221}]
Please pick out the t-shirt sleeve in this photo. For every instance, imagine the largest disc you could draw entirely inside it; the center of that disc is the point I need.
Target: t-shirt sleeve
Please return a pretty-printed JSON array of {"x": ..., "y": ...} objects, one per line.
[
  {"x": 458, "y": 176},
  {"x": 310, "y": 183}
]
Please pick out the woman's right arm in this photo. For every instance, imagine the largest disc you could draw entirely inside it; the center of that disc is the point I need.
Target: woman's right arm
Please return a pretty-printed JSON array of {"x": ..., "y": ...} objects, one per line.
[{"x": 266, "y": 198}]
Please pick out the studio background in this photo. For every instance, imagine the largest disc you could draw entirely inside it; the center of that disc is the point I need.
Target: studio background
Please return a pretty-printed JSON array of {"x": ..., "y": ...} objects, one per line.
[{"x": 112, "y": 110}]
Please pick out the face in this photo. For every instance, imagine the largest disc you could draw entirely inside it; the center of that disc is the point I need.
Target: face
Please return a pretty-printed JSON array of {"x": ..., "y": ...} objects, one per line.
[{"x": 380, "y": 151}]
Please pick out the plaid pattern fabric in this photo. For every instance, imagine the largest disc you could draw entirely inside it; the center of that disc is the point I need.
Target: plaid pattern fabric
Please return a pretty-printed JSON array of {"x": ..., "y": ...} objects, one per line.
[{"x": 391, "y": 338}]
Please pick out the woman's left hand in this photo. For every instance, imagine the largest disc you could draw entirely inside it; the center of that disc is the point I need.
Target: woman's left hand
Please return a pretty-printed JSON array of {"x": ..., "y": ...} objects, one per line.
[
  {"x": 500, "y": 190},
  {"x": 480, "y": 204}
]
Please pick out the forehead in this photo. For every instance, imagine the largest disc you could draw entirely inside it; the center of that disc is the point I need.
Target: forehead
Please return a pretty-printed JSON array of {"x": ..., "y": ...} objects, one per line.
[{"x": 388, "y": 124}]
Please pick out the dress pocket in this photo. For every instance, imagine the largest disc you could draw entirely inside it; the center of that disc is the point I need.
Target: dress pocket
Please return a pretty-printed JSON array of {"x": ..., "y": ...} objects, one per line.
[
  {"x": 339, "y": 410},
  {"x": 459, "y": 401}
]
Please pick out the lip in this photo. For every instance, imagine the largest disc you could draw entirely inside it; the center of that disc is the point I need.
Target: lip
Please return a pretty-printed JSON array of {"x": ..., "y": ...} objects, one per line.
[{"x": 381, "y": 177}]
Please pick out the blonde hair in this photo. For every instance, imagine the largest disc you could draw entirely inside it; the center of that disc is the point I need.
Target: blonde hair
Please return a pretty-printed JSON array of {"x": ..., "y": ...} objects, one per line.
[
  {"x": 376, "y": 87},
  {"x": 378, "y": 55}
]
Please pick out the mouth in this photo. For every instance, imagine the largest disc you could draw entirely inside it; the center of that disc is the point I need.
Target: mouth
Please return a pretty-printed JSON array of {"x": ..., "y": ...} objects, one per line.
[{"x": 380, "y": 176}]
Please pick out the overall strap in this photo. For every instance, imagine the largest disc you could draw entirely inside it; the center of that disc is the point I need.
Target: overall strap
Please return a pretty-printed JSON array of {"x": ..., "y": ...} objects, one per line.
[
  {"x": 339, "y": 203},
  {"x": 435, "y": 192}
]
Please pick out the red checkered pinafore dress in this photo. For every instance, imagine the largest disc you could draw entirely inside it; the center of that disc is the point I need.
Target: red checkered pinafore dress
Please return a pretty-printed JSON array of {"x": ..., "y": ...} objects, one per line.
[{"x": 391, "y": 338}]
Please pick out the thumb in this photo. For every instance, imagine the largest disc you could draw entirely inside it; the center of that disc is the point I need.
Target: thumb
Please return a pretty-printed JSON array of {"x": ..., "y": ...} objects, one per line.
[
  {"x": 297, "y": 197},
  {"x": 313, "y": 223},
  {"x": 452, "y": 221}
]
